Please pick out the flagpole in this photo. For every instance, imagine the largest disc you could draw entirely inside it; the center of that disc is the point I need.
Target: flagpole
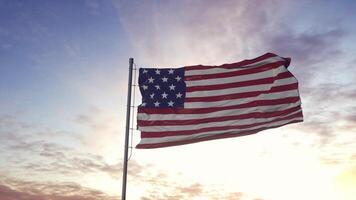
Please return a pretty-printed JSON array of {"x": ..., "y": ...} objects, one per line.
[{"x": 128, "y": 110}]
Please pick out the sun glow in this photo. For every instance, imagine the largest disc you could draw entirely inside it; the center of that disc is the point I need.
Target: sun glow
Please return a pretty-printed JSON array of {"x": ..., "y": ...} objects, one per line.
[
  {"x": 266, "y": 166},
  {"x": 103, "y": 182}
]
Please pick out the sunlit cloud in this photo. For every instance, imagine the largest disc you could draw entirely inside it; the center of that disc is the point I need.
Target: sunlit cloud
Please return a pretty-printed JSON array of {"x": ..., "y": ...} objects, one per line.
[
  {"x": 63, "y": 102},
  {"x": 13, "y": 189},
  {"x": 202, "y": 32}
]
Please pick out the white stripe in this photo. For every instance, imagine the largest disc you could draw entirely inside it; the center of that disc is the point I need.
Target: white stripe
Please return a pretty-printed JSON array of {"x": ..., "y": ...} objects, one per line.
[
  {"x": 263, "y": 87},
  {"x": 235, "y": 122},
  {"x": 223, "y": 70},
  {"x": 237, "y": 78},
  {"x": 239, "y": 111},
  {"x": 207, "y": 134},
  {"x": 230, "y": 102}
]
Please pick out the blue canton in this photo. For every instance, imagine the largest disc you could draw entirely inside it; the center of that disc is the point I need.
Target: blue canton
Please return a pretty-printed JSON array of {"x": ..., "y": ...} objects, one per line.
[{"x": 162, "y": 88}]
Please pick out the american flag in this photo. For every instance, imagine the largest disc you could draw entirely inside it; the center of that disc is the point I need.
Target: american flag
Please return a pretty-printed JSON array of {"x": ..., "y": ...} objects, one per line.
[{"x": 198, "y": 103}]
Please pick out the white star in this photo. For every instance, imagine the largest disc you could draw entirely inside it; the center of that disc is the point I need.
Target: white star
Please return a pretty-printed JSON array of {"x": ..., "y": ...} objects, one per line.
[
  {"x": 150, "y": 80},
  {"x": 170, "y": 103},
  {"x": 156, "y": 104},
  {"x": 172, "y": 87},
  {"x": 164, "y": 95},
  {"x": 171, "y": 71},
  {"x": 143, "y": 104},
  {"x": 152, "y": 95},
  {"x": 144, "y": 87},
  {"x": 178, "y": 78},
  {"x": 144, "y": 71},
  {"x": 158, "y": 71},
  {"x": 157, "y": 87},
  {"x": 164, "y": 79},
  {"x": 179, "y": 95}
]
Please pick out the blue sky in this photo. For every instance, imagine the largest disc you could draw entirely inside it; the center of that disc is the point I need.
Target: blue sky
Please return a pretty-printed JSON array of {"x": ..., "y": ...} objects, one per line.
[{"x": 64, "y": 66}]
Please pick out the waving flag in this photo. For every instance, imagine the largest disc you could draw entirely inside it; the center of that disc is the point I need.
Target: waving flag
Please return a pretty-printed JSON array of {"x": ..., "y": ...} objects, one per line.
[{"x": 198, "y": 103}]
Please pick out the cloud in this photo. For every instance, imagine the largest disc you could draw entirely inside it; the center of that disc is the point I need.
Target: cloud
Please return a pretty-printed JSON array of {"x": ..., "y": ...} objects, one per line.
[
  {"x": 207, "y": 32},
  {"x": 177, "y": 194},
  {"x": 199, "y": 31},
  {"x": 351, "y": 119},
  {"x": 214, "y": 32},
  {"x": 38, "y": 154},
  {"x": 58, "y": 160},
  {"x": 48, "y": 161},
  {"x": 161, "y": 186},
  {"x": 12, "y": 189},
  {"x": 328, "y": 108},
  {"x": 307, "y": 48},
  {"x": 44, "y": 164},
  {"x": 192, "y": 190},
  {"x": 100, "y": 131},
  {"x": 95, "y": 119},
  {"x": 14, "y": 130},
  {"x": 95, "y": 131},
  {"x": 94, "y": 6}
]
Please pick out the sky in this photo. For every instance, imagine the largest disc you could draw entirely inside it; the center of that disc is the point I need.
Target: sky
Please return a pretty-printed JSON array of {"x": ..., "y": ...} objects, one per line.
[{"x": 63, "y": 87}]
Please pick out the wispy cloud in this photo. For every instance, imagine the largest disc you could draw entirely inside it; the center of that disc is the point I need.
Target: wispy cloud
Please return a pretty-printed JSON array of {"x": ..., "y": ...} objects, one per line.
[
  {"x": 203, "y": 31},
  {"x": 100, "y": 130},
  {"x": 307, "y": 48},
  {"x": 94, "y": 6},
  {"x": 13, "y": 189},
  {"x": 160, "y": 185},
  {"x": 214, "y": 32},
  {"x": 40, "y": 161}
]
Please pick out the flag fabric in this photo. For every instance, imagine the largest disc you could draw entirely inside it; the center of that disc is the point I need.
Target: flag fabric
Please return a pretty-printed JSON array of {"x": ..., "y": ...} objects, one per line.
[{"x": 198, "y": 103}]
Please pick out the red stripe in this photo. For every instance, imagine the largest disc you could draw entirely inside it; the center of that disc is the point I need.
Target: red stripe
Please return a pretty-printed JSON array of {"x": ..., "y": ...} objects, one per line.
[
  {"x": 281, "y": 88},
  {"x": 233, "y": 65},
  {"x": 262, "y": 68},
  {"x": 213, "y": 137},
  {"x": 268, "y": 80},
  {"x": 256, "y": 115},
  {"x": 209, "y": 129},
  {"x": 214, "y": 109}
]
